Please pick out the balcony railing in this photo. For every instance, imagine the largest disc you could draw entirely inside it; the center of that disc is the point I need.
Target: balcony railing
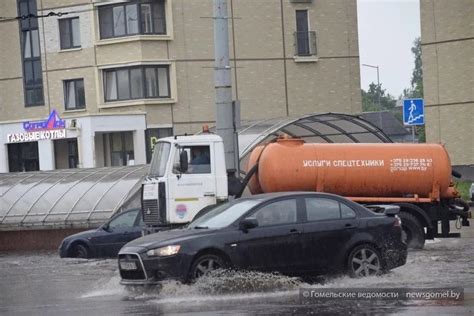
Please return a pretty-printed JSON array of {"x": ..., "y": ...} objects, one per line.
[{"x": 305, "y": 43}]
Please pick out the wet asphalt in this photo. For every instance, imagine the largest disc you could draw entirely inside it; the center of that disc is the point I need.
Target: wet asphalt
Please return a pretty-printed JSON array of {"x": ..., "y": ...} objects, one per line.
[{"x": 44, "y": 284}]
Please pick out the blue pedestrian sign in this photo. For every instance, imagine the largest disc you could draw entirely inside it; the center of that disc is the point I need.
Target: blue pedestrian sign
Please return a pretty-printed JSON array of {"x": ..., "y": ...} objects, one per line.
[{"x": 413, "y": 112}]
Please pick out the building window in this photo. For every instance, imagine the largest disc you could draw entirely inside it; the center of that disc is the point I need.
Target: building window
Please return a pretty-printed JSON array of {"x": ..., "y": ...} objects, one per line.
[
  {"x": 136, "y": 83},
  {"x": 23, "y": 157},
  {"x": 73, "y": 156},
  {"x": 132, "y": 18},
  {"x": 305, "y": 40},
  {"x": 151, "y": 138},
  {"x": 31, "y": 54},
  {"x": 121, "y": 149},
  {"x": 66, "y": 154},
  {"x": 74, "y": 95},
  {"x": 69, "y": 33}
]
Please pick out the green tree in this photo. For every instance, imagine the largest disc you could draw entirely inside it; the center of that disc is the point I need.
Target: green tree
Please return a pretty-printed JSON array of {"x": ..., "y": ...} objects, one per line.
[
  {"x": 416, "y": 89},
  {"x": 370, "y": 99}
]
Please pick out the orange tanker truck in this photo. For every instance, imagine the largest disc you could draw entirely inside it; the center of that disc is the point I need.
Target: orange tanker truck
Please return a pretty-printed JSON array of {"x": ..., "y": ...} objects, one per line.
[{"x": 417, "y": 177}]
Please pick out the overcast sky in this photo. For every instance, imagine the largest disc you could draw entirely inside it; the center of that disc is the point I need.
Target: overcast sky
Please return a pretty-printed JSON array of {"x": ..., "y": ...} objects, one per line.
[{"x": 387, "y": 29}]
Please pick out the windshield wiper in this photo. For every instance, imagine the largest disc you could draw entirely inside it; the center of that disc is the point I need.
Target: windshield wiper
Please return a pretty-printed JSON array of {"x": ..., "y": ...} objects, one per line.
[{"x": 201, "y": 227}]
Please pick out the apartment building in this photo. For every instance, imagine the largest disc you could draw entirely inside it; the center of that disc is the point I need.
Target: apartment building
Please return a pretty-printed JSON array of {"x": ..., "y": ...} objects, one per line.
[
  {"x": 95, "y": 83},
  {"x": 447, "y": 41}
]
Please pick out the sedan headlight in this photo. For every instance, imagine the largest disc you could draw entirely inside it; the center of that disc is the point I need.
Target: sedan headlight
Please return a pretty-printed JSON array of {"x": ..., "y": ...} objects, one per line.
[{"x": 163, "y": 251}]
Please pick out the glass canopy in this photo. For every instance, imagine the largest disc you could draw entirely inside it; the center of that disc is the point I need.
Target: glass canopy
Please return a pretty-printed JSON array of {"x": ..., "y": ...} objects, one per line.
[{"x": 66, "y": 198}]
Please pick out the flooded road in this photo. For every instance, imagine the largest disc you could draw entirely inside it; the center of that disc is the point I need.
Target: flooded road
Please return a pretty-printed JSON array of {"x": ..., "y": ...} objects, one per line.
[{"x": 44, "y": 284}]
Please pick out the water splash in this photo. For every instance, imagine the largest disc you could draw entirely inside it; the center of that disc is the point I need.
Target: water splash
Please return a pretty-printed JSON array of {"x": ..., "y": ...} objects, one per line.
[
  {"x": 106, "y": 287},
  {"x": 228, "y": 281},
  {"x": 216, "y": 285}
]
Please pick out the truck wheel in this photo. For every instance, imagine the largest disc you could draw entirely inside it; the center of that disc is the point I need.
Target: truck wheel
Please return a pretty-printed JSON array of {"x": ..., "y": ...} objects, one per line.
[
  {"x": 412, "y": 231},
  {"x": 80, "y": 251},
  {"x": 205, "y": 264},
  {"x": 364, "y": 260}
]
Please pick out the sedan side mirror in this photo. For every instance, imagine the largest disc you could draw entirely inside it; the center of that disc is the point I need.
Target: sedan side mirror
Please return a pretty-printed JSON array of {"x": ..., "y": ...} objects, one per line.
[
  {"x": 106, "y": 227},
  {"x": 248, "y": 223}
]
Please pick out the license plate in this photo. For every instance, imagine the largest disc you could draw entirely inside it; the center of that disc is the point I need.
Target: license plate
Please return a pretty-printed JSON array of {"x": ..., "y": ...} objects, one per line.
[{"x": 128, "y": 265}]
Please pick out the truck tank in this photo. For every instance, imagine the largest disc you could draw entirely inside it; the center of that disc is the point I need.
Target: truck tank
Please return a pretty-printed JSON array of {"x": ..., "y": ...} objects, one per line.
[{"x": 395, "y": 172}]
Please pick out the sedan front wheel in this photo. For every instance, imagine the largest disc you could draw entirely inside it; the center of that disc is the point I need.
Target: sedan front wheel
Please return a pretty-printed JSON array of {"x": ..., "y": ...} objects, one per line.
[
  {"x": 364, "y": 261},
  {"x": 205, "y": 264}
]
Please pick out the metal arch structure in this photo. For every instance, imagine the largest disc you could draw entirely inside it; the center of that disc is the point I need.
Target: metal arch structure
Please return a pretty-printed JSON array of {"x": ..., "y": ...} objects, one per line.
[
  {"x": 313, "y": 128},
  {"x": 328, "y": 127},
  {"x": 48, "y": 199}
]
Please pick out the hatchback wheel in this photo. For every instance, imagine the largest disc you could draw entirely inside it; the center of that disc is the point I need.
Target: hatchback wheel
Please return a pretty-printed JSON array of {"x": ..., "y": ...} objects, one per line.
[
  {"x": 205, "y": 264},
  {"x": 80, "y": 251},
  {"x": 364, "y": 261}
]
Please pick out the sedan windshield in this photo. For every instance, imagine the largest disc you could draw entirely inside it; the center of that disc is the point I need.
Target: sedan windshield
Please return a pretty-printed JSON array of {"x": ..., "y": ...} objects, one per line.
[{"x": 223, "y": 215}]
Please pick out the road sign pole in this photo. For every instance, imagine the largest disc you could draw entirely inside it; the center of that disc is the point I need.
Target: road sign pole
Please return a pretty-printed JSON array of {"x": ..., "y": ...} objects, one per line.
[{"x": 413, "y": 132}]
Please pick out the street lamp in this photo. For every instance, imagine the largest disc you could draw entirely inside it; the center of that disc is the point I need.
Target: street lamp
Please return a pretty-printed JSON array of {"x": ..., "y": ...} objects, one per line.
[{"x": 378, "y": 93}]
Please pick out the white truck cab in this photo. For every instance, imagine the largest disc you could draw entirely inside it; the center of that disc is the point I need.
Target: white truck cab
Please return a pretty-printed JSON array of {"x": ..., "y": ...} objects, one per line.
[{"x": 175, "y": 190}]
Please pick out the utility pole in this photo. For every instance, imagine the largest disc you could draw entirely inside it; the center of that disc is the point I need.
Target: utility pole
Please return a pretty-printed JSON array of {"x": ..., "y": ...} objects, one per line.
[
  {"x": 226, "y": 124},
  {"x": 378, "y": 94}
]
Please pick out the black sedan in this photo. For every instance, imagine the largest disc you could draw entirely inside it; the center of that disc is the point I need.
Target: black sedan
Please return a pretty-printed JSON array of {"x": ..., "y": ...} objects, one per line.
[
  {"x": 299, "y": 233},
  {"x": 106, "y": 240}
]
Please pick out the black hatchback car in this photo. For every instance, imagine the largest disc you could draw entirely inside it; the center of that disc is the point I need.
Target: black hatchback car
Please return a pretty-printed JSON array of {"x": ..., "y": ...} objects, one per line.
[
  {"x": 298, "y": 233},
  {"x": 105, "y": 241}
]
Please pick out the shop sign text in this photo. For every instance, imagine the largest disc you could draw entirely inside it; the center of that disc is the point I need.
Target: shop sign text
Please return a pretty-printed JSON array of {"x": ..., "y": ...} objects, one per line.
[{"x": 36, "y": 136}]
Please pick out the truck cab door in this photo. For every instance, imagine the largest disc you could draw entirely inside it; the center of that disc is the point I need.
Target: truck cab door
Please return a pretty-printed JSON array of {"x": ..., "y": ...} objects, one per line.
[{"x": 193, "y": 189}]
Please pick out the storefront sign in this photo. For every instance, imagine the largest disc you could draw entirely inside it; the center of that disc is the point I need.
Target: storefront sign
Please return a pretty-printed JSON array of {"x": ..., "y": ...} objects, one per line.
[
  {"x": 52, "y": 128},
  {"x": 53, "y": 122},
  {"x": 35, "y": 136}
]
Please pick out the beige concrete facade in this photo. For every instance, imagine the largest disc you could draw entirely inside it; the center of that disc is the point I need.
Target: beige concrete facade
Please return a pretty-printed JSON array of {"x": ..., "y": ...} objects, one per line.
[
  {"x": 268, "y": 78},
  {"x": 447, "y": 39}
]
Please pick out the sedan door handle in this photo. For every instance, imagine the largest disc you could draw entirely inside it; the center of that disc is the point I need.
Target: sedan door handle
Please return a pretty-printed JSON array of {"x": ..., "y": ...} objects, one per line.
[
  {"x": 209, "y": 194},
  {"x": 349, "y": 226},
  {"x": 295, "y": 231}
]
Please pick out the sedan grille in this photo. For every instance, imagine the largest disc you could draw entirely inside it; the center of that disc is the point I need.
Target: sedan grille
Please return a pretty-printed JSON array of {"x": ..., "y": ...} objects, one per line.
[{"x": 133, "y": 274}]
